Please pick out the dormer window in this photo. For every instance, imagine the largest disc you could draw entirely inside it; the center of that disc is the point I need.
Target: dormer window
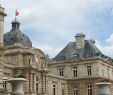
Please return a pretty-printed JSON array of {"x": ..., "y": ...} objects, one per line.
[
  {"x": 74, "y": 55},
  {"x": 89, "y": 54}
]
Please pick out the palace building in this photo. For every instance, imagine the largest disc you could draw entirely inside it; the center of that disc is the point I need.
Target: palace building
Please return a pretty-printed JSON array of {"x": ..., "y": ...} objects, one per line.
[{"x": 74, "y": 71}]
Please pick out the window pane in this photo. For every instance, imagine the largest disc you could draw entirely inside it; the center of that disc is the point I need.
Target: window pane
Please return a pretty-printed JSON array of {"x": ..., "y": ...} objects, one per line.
[
  {"x": 61, "y": 72},
  {"x": 89, "y": 89},
  {"x": 89, "y": 73},
  {"x": 54, "y": 90},
  {"x": 74, "y": 71},
  {"x": 75, "y": 90}
]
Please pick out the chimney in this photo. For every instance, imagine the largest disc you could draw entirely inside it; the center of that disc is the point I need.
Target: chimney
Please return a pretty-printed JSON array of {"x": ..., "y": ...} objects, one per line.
[{"x": 80, "y": 41}]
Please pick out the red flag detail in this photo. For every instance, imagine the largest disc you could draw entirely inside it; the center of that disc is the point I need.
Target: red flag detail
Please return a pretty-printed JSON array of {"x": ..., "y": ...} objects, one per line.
[{"x": 17, "y": 13}]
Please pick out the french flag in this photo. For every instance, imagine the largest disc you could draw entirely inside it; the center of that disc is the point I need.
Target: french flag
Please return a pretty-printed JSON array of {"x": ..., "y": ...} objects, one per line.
[{"x": 16, "y": 13}]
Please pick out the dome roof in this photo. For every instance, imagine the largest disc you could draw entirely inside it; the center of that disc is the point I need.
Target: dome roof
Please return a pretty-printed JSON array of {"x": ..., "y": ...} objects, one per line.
[{"x": 16, "y": 36}]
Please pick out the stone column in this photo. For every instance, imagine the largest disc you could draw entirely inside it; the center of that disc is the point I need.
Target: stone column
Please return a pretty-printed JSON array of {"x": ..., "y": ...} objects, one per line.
[
  {"x": 2, "y": 14},
  {"x": 17, "y": 85},
  {"x": 43, "y": 81},
  {"x": 104, "y": 88}
]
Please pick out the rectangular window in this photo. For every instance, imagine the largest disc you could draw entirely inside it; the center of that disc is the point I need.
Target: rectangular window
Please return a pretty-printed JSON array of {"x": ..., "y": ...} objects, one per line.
[
  {"x": 75, "y": 90},
  {"x": 37, "y": 88},
  {"x": 89, "y": 90},
  {"x": 89, "y": 71},
  {"x": 61, "y": 72},
  {"x": 5, "y": 84},
  {"x": 63, "y": 90},
  {"x": 33, "y": 80},
  {"x": 102, "y": 70},
  {"x": 108, "y": 69},
  {"x": 74, "y": 71},
  {"x": 54, "y": 89},
  {"x": 112, "y": 73}
]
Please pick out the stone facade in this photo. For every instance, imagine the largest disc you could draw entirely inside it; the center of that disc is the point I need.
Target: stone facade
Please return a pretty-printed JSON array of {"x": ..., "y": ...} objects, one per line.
[
  {"x": 82, "y": 80},
  {"x": 71, "y": 75}
]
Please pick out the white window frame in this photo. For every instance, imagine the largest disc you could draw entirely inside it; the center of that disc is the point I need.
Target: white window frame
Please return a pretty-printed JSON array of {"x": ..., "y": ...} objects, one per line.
[
  {"x": 89, "y": 90},
  {"x": 108, "y": 72},
  {"x": 102, "y": 69},
  {"x": 75, "y": 90},
  {"x": 63, "y": 90},
  {"x": 89, "y": 70},
  {"x": 75, "y": 71},
  {"x": 61, "y": 71}
]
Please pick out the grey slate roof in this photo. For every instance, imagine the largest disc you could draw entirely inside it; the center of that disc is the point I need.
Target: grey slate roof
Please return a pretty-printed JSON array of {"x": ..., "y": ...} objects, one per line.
[
  {"x": 16, "y": 36},
  {"x": 70, "y": 51}
]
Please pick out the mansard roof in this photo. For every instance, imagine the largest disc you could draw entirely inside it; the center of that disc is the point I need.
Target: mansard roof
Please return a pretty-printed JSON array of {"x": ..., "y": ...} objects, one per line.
[{"x": 70, "y": 51}]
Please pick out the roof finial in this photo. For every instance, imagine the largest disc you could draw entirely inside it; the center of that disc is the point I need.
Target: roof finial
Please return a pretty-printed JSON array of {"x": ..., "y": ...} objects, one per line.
[{"x": 15, "y": 23}]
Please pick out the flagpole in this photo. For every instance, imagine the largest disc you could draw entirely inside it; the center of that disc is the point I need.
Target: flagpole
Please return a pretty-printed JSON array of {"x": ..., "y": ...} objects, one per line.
[{"x": 15, "y": 14}]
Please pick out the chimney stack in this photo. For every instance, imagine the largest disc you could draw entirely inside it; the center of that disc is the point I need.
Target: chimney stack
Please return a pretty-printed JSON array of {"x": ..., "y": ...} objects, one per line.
[{"x": 80, "y": 41}]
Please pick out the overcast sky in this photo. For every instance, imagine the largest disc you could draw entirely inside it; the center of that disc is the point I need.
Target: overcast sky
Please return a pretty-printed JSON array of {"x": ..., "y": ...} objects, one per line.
[{"x": 52, "y": 24}]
